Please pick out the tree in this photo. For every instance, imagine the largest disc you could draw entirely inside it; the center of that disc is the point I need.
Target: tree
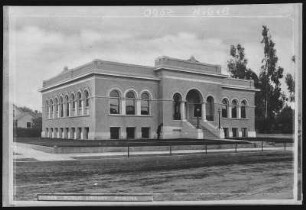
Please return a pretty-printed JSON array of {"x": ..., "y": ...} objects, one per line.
[
  {"x": 285, "y": 120},
  {"x": 291, "y": 86},
  {"x": 271, "y": 99},
  {"x": 237, "y": 65}
]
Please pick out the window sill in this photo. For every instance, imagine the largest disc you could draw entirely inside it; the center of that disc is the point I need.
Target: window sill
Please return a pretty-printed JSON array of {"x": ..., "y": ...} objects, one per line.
[
  {"x": 226, "y": 118},
  {"x": 124, "y": 115},
  {"x": 58, "y": 118}
]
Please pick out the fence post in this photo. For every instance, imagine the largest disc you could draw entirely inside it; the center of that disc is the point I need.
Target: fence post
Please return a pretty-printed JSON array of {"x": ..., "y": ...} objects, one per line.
[
  {"x": 206, "y": 149},
  {"x": 235, "y": 147},
  {"x": 261, "y": 145},
  {"x": 170, "y": 149},
  {"x": 128, "y": 149}
]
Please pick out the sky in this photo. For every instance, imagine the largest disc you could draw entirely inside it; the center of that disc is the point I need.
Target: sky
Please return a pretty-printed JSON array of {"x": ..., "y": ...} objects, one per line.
[{"x": 43, "y": 40}]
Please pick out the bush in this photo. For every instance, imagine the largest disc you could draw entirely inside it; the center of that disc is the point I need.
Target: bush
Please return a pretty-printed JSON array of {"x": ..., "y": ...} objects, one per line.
[{"x": 27, "y": 132}]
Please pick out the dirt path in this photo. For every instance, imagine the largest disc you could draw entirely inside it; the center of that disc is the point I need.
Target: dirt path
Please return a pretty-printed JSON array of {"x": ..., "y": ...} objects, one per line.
[{"x": 267, "y": 175}]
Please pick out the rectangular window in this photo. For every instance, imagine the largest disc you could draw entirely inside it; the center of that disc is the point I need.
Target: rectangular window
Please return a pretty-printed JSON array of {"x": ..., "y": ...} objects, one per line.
[
  {"x": 86, "y": 133},
  {"x": 66, "y": 134},
  {"x": 225, "y": 132},
  {"x": 145, "y": 132},
  {"x": 235, "y": 132},
  {"x": 130, "y": 132},
  {"x": 61, "y": 132},
  {"x": 29, "y": 124},
  {"x": 114, "y": 132},
  {"x": 244, "y": 132},
  {"x": 72, "y": 133},
  {"x": 79, "y": 133}
]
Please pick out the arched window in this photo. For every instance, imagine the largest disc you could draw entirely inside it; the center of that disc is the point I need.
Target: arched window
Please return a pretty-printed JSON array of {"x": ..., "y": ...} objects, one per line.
[
  {"x": 177, "y": 99},
  {"x": 145, "y": 104},
  {"x": 61, "y": 107},
  {"x": 234, "y": 109},
  {"x": 86, "y": 98},
  {"x": 210, "y": 109},
  {"x": 224, "y": 107},
  {"x": 130, "y": 103},
  {"x": 56, "y": 108},
  {"x": 114, "y": 102},
  {"x": 67, "y": 105},
  {"x": 46, "y": 108},
  {"x": 52, "y": 108},
  {"x": 79, "y": 102},
  {"x": 243, "y": 109},
  {"x": 72, "y": 105}
]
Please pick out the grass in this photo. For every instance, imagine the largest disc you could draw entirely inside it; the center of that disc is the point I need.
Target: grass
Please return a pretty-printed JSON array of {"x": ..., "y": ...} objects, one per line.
[
  {"x": 263, "y": 175},
  {"x": 119, "y": 143}
]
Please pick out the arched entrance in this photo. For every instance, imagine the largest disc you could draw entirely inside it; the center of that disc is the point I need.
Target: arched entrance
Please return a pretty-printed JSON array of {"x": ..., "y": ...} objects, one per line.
[{"x": 194, "y": 101}]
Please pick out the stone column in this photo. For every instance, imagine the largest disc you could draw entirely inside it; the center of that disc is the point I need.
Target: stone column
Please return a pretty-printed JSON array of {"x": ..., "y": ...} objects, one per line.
[
  {"x": 229, "y": 112},
  {"x": 183, "y": 110},
  {"x": 75, "y": 133},
  {"x": 60, "y": 133},
  {"x": 69, "y": 133},
  {"x": 82, "y": 108},
  {"x": 138, "y": 107},
  {"x": 204, "y": 111},
  {"x": 123, "y": 104},
  {"x": 49, "y": 112},
  {"x": 238, "y": 112},
  {"x": 75, "y": 108}
]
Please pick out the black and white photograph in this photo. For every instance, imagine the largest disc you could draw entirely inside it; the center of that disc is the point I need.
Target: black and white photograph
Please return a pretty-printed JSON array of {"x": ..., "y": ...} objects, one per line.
[{"x": 152, "y": 105}]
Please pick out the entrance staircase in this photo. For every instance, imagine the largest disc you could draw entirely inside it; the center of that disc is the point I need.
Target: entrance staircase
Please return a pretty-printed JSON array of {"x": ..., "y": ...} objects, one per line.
[{"x": 209, "y": 130}]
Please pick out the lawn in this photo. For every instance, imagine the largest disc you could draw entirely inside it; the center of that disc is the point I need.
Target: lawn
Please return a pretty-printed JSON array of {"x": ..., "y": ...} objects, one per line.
[{"x": 249, "y": 175}]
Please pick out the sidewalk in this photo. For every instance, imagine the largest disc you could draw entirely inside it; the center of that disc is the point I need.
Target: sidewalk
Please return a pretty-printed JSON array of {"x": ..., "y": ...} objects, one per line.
[{"x": 22, "y": 151}]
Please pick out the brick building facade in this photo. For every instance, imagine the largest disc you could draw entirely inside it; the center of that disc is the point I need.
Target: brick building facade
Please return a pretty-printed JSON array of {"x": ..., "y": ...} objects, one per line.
[{"x": 111, "y": 100}]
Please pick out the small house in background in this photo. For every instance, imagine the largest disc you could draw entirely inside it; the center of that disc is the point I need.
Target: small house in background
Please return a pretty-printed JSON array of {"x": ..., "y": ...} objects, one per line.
[{"x": 22, "y": 119}]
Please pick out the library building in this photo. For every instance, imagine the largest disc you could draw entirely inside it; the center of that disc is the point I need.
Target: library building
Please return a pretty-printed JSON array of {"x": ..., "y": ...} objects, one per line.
[{"x": 104, "y": 100}]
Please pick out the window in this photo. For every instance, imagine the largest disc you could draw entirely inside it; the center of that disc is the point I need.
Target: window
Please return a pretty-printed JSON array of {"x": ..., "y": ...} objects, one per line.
[
  {"x": 86, "y": 130},
  {"x": 224, "y": 107},
  {"x": 145, "y": 132},
  {"x": 79, "y": 101},
  {"x": 234, "y": 109},
  {"x": 47, "y": 110},
  {"x": 244, "y": 132},
  {"x": 51, "y": 108},
  {"x": 235, "y": 132},
  {"x": 72, "y": 105},
  {"x": 225, "y": 132},
  {"x": 86, "y": 95},
  {"x": 177, "y": 99},
  {"x": 114, "y": 102},
  {"x": 130, "y": 103},
  {"x": 243, "y": 109},
  {"x": 61, "y": 107},
  {"x": 130, "y": 132},
  {"x": 61, "y": 134},
  {"x": 79, "y": 133},
  {"x": 67, "y": 106},
  {"x": 73, "y": 133},
  {"x": 210, "y": 109},
  {"x": 56, "y": 108},
  {"x": 66, "y": 133},
  {"x": 114, "y": 132},
  {"x": 29, "y": 124},
  {"x": 145, "y": 104},
  {"x": 56, "y": 133}
]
